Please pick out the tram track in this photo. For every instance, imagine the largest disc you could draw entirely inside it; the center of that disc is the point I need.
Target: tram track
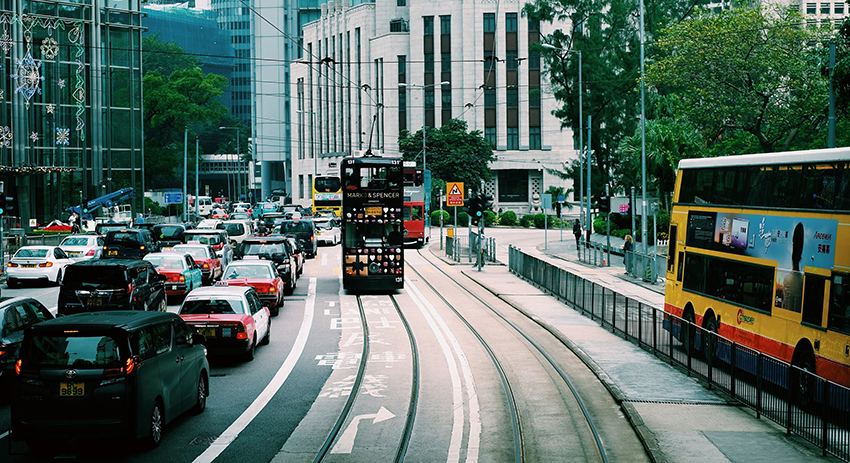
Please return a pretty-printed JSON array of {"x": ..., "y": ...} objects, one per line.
[
  {"x": 345, "y": 412},
  {"x": 535, "y": 345}
]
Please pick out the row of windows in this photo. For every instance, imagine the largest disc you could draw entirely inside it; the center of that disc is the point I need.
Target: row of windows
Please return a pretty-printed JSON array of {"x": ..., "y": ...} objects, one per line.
[
  {"x": 803, "y": 186},
  {"x": 837, "y": 8}
]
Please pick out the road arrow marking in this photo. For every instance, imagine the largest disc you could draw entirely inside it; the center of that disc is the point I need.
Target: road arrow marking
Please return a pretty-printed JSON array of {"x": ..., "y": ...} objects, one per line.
[{"x": 345, "y": 442}]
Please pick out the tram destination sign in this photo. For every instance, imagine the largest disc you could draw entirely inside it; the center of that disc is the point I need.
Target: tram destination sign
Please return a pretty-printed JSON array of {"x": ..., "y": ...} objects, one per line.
[{"x": 454, "y": 193}]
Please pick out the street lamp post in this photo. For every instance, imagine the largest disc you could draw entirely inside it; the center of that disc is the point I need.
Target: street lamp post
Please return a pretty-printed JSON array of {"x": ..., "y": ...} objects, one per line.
[
  {"x": 643, "y": 233},
  {"x": 238, "y": 183},
  {"x": 197, "y": 181}
]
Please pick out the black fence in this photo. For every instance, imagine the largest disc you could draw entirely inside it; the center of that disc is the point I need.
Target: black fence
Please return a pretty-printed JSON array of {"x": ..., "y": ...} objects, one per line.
[{"x": 804, "y": 404}]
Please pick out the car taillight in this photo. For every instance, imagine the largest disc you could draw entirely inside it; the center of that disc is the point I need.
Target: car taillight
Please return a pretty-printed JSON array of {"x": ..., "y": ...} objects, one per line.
[
  {"x": 130, "y": 366},
  {"x": 91, "y": 252},
  {"x": 272, "y": 289},
  {"x": 46, "y": 264},
  {"x": 11, "y": 264},
  {"x": 312, "y": 237},
  {"x": 181, "y": 279},
  {"x": 18, "y": 364},
  {"x": 241, "y": 334},
  {"x": 130, "y": 288},
  {"x": 141, "y": 248},
  {"x": 206, "y": 265}
]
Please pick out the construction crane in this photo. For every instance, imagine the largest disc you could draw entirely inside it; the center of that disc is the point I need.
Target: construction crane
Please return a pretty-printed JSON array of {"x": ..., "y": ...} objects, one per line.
[{"x": 116, "y": 197}]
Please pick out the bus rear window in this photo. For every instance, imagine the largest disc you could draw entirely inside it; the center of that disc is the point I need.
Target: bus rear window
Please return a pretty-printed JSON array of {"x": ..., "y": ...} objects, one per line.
[
  {"x": 71, "y": 351},
  {"x": 327, "y": 184}
]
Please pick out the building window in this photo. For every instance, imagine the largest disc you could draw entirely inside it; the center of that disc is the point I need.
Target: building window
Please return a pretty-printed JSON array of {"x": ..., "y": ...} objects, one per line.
[
  {"x": 511, "y": 62},
  {"x": 402, "y": 92},
  {"x": 445, "y": 25},
  {"x": 534, "y": 140},
  {"x": 510, "y": 22},
  {"x": 429, "y": 63},
  {"x": 533, "y": 25},
  {"x": 490, "y": 136},
  {"x": 310, "y": 186},
  {"x": 400, "y": 2},
  {"x": 811, "y": 8},
  {"x": 428, "y": 24},
  {"x": 399, "y": 25},
  {"x": 513, "y": 138},
  {"x": 824, "y": 9},
  {"x": 512, "y": 95},
  {"x": 301, "y": 186},
  {"x": 839, "y": 8},
  {"x": 513, "y": 186},
  {"x": 489, "y": 23}
]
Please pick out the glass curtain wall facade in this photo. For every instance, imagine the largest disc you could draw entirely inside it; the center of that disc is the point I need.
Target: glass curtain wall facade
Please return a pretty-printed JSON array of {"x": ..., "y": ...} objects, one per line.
[{"x": 70, "y": 104}]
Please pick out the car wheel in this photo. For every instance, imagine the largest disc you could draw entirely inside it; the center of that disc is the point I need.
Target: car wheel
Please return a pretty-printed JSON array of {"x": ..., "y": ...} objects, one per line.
[
  {"x": 156, "y": 424},
  {"x": 203, "y": 392},
  {"x": 268, "y": 335},
  {"x": 11, "y": 283},
  {"x": 289, "y": 288},
  {"x": 252, "y": 350},
  {"x": 275, "y": 311}
]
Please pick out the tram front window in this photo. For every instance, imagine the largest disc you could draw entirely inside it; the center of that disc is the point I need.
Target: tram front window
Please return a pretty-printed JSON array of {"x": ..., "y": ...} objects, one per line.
[
  {"x": 371, "y": 178},
  {"x": 372, "y": 235}
]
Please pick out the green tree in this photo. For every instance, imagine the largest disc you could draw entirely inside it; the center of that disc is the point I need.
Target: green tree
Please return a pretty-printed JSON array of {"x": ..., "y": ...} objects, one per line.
[
  {"x": 454, "y": 154},
  {"x": 165, "y": 57},
  {"x": 556, "y": 192},
  {"x": 745, "y": 70}
]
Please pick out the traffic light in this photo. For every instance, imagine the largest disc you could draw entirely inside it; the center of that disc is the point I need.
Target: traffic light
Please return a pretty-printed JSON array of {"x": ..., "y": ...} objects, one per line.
[
  {"x": 2, "y": 197},
  {"x": 475, "y": 209},
  {"x": 85, "y": 206}
]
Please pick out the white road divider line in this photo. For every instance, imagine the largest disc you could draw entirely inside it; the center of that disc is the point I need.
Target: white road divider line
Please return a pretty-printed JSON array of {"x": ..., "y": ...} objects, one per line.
[
  {"x": 232, "y": 432},
  {"x": 3, "y": 436}
]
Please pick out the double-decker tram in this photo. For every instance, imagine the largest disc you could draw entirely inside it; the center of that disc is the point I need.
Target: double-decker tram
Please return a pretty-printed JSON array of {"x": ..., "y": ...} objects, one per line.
[
  {"x": 414, "y": 205},
  {"x": 759, "y": 252},
  {"x": 327, "y": 194},
  {"x": 372, "y": 224}
]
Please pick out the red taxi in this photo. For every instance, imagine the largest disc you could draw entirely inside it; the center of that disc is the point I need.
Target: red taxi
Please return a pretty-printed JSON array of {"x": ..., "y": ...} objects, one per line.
[
  {"x": 204, "y": 255},
  {"x": 232, "y": 319},
  {"x": 260, "y": 275}
]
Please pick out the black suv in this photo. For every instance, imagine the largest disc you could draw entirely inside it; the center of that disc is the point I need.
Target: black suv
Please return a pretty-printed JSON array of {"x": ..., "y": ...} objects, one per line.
[
  {"x": 304, "y": 231},
  {"x": 16, "y": 315},
  {"x": 111, "y": 284},
  {"x": 276, "y": 249},
  {"x": 167, "y": 235},
  {"x": 114, "y": 375},
  {"x": 128, "y": 243}
]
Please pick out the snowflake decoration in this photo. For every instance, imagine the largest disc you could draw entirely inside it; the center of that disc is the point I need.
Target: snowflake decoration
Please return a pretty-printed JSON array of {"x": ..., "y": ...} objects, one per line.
[
  {"x": 34, "y": 137},
  {"x": 49, "y": 48},
  {"x": 6, "y": 42},
  {"x": 5, "y": 137},
  {"x": 51, "y": 108},
  {"x": 61, "y": 83},
  {"x": 2, "y": 94},
  {"x": 28, "y": 76},
  {"x": 63, "y": 136}
]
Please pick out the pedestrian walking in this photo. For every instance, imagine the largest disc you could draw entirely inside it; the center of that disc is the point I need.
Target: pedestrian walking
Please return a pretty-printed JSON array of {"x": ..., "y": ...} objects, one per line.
[
  {"x": 577, "y": 231},
  {"x": 628, "y": 246}
]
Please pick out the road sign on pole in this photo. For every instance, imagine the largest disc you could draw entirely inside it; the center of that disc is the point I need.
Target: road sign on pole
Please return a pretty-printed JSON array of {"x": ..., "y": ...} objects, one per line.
[{"x": 454, "y": 193}]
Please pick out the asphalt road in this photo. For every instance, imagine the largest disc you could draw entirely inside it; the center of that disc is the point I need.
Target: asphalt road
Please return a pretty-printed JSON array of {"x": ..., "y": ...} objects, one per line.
[{"x": 440, "y": 377}]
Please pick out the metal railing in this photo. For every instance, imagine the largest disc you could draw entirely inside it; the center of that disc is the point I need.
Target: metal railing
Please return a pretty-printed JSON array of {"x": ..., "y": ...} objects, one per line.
[
  {"x": 459, "y": 248},
  {"x": 804, "y": 404}
]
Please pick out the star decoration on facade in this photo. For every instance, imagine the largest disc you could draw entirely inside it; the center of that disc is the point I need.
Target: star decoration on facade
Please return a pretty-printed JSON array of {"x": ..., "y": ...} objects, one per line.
[
  {"x": 61, "y": 83},
  {"x": 28, "y": 76},
  {"x": 63, "y": 136},
  {"x": 49, "y": 48},
  {"x": 5, "y": 137},
  {"x": 34, "y": 137},
  {"x": 51, "y": 108}
]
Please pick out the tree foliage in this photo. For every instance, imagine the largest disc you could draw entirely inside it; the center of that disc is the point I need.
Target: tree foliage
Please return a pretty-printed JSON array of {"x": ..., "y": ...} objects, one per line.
[
  {"x": 743, "y": 70},
  {"x": 454, "y": 154}
]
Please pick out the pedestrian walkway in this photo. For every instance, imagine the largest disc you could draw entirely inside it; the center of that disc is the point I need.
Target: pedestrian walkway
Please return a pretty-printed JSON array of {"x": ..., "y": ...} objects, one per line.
[{"x": 676, "y": 416}]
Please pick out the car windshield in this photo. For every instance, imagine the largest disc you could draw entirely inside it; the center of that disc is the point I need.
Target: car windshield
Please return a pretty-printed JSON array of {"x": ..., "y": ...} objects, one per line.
[
  {"x": 106, "y": 277},
  {"x": 168, "y": 232},
  {"x": 207, "y": 223},
  {"x": 104, "y": 229},
  {"x": 256, "y": 249},
  {"x": 197, "y": 252},
  {"x": 213, "y": 305},
  {"x": 31, "y": 253},
  {"x": 324, "y": 224},
  {"x": 234, "y": 229},
  {"x": 302, "y": 226},
  {"x": 204, "y": 239},
  {"x": 78, "y": 352},
  {"x": 247, "y": 271},
  {"x": 165, "y": 261},
  {"x": 120, "y": 237},
  {"x": 239, "y": 215},
  {"x": 75, "y": 241}
]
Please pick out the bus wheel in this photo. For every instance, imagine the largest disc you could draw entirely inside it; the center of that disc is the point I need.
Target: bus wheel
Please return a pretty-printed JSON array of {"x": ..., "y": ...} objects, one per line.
[
  {"x": 686, "y": 333},
  {"x": 708, "y": 344},
  {"x": 803, "y": 381}
]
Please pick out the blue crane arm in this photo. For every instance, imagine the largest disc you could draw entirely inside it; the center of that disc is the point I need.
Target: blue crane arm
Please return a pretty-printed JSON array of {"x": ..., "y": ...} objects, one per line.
[{"x": 107, "y": 200}]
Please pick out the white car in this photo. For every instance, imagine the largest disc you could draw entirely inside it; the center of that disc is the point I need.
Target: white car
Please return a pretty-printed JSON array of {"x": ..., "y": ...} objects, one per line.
[
  {"x": 37, "y": 263},
  {"x": 210, "y": 224},
  {"x": 238, "y": 230},
  {"x": 328, "y": 231},
  {"x": 80, "y": 247}
]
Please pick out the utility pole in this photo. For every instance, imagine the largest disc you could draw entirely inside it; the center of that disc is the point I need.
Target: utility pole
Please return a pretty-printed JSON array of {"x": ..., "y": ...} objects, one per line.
[
  {"x": 830, "y": 139},
  {"x": 185, "y": 168},
  {"x": 644, "y": 238},
  {"x": 197, "y": 181},
  {"x": 238, "y": 166},
  {"x": 589, "y": 163},
  {"x": 580, "y": 143}
]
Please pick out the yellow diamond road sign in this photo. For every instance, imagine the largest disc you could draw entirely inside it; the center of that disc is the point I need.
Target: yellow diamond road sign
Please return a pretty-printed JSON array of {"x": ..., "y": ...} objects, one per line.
[{"x": 454, "y": 194}]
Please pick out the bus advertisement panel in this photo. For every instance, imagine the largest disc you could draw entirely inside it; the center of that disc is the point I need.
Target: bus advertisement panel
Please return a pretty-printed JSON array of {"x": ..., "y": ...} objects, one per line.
[
  {"x": 327, "y": 194},
  {"x": 372, "y": 224},
  {"x": 759, "y": 252}
]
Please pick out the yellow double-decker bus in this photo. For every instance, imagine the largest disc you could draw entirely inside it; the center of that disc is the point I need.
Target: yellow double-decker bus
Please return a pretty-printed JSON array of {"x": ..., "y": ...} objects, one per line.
[
  {"x": 327, "y": 194},
  {"x": 759, "y": 252}
]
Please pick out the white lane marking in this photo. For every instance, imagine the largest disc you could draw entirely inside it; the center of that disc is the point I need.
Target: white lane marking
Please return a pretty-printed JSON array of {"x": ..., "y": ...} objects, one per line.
[
  {"x": 3, "y": 436},
  {"x": 457, "y": 393},
  {"x": 345, "y": 442},
  {"x": 324, "y": 260},
  {"x": 232, "y": 432}
]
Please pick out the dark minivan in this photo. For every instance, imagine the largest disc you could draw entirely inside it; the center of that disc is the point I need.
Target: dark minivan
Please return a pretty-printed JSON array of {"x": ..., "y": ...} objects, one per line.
[
  {"x": 111, "y": 284},
  {"x": 108, "y": 375},
  {"x": 168, "y": 234},
  {"x": 128, "y": 243},
  {"x": 304, "y": 231}
]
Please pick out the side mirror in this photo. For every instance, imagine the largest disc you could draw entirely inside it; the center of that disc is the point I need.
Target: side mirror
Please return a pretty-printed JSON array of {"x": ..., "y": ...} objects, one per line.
[{"x": 198, "y": 339}]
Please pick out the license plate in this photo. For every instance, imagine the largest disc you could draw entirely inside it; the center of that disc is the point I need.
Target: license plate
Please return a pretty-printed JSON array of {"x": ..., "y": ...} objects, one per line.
[
  {"x": 167, "y": 248},
  {"x": 174, "y": 287},
  {"x": 95, "y": 302},
  {"x": 374, "y": 211},
  {"x": 112, "y": 253},
  {"x": 207, "y": 332},
  {"x": 72, "y": 389},
  {"x": 28, "y": 265}
]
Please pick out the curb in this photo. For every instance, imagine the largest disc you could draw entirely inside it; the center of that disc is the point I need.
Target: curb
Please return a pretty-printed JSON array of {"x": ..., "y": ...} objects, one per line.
[{"x": 646, "y": 436}]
